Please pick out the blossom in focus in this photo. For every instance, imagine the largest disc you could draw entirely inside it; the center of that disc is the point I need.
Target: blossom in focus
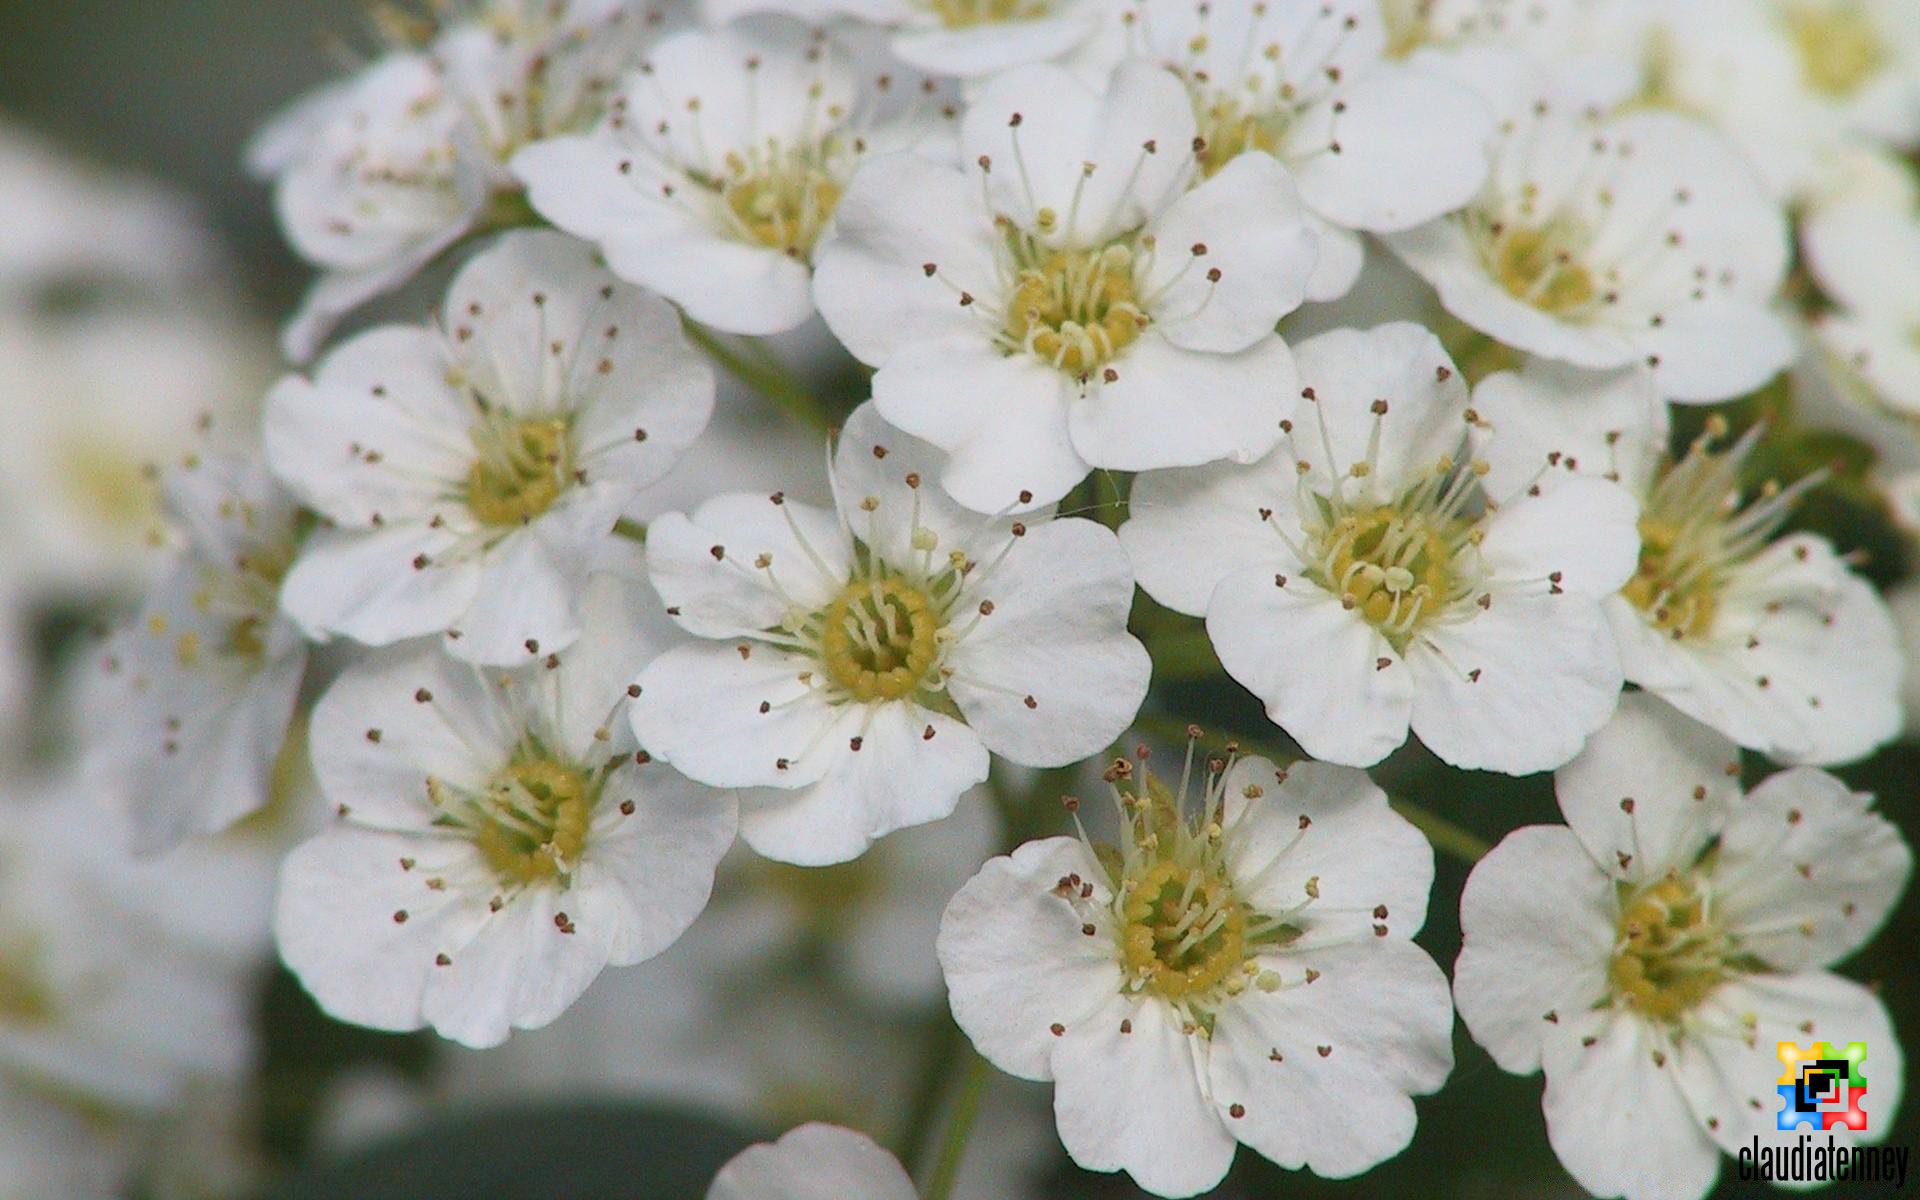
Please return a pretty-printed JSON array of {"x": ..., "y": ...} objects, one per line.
[
  {"x": 469, "y": 470},
  {"x": 1062, "y": 300},
  {"x": 1367, "y": 577},
  {"x": 1651, "y": 954},
  {"x": 855, "y": 667},
  {"x": 1239, "y": 970}
]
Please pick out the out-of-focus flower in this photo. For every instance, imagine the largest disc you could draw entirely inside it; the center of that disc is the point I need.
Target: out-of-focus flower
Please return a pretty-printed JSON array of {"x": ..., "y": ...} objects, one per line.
[
  {"x": 814, "y": 1162},
  {"x": 1791, "y": 81},
  {"x": 1364, "y": 578},
  {"x": 1651, "y": 954},
  {"x": 1612, "y": 240},
  {"x": 1375, "y": 146},
  {"x": 856, "y": 667},
  {"x": 376, "y": 175},
  {"x": 1239, "y": 973},
  {"x": 1771, "y": 639},
  {"x": 470, "y": 470},
  {"x": 721, "y": 163},
  {"x": 1865, "y": 255},
  {"x": 500, "y": 839},
  {"x": 1063, "y": 301},
  {"x": 187, "y": 708}
]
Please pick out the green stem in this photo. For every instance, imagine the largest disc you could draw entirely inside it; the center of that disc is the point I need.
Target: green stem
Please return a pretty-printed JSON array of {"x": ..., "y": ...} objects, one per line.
[
  {"x": 1182, "y": 654},
  {"x": 953, "y": 1146},
  {"x": 631, "y": 530},
  {"x": 765, "y": 376},
  {"x": 1447, "y": 837}
]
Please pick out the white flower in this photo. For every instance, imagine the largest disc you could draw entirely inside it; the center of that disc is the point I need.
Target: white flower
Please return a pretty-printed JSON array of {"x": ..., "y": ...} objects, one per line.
[
  {"x": 375, "y": 176},
  {"x": 1064, "y": 301},
  {"x": 96, "y": 407},
  {"x": 717, "y": 169},
  {"x": 500, "y": 840},
  {"x": 1790, "y": 81},
  {"x": 813, "y": 1162},
  {"x": 112, "y": 998},
  {"x": 970, "y": 39},
  {"x": 1361, "y": 579},
  {"x": 1239, "y": 973},
  {"x": 1604, "y": 241},
  {"x": 1556, "y": 31},
  {"x": 858, "y": 667},
  {"x": 1866, "y": 257},
  {"x": 1769, "y": 639},
  {"x": 469, "y": 469},
  {"x": 1650, "y": 955},
  {"x": 187, "y": 707},
  {"x": 1374, "y": 146}
]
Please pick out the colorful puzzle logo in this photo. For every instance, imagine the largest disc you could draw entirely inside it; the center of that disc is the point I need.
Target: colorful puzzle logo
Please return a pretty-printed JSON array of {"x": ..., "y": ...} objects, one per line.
[{"x": 1821, "y": 1086}]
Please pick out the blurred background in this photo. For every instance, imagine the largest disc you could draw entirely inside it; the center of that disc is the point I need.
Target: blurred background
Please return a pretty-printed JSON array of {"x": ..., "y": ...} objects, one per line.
[{"x": 141, "y": 278}]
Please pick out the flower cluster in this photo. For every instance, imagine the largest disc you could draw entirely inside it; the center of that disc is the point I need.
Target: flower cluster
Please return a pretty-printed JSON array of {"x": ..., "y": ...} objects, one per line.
[{"x": 841, "y": 418}]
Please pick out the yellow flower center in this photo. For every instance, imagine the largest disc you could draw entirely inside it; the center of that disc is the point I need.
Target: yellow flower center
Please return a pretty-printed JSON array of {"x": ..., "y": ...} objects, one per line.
[
  {"x": 1538, "y": 266},
  {"x": 1076, "y": 309},
  {"x": 1669, "y": 951},
  {"x": 1396, "y": 566},
  {"x": 523, "y": 466},
  {"x": 782, "y": 199},
  {"x": 966, "y": 14},
  {"x": 1185, "y": 934},
  {"x": 1680, "y": 599},
  {"x": 879, "y": 638},
  {"x": 1839, "y": 48},
  {"x": 530, "y": 824},
  {"x": 1230, "y": 130},
  {"x": 108, "y": 486}
]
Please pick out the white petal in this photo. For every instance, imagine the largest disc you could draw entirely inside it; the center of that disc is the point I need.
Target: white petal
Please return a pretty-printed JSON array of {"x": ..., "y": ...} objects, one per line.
[
  {"x": 1037, "y": 159},
  {"x": 1249, "y": 220},
  {"x": 1548, "y": 421},
  {"x": 337, "y": 930},
  {"x": 993, "y": 46},
  {"x": 1807, "y": 871},
  {"x": 1342, "y": 256},
  {"x": 1516, "y": 688},
  {"x": 1681, "y": 777},
  {"x": 1412, "y": 146},
  {"x": 1189, "y": 528},
  {"x": 1618, "y": 1123},
  {"x": 1302, "y": 829},
  {"x": 1314, "y": 665},
  {"x": 648, "y": 873},
  {"x": 1002, "y": 418},
  {"x": 873, "y": 463},
  {"x": 1528, "y": 538},
  {"x": 1532, "y": 953},
  {"x": 1165, "y": 1133},
  {"x": 624, "y": 628},
  {"x": 1016, "y": 960},
  {"x": 726, "y": 594},
  {"x": 379, "y": 431},
  {"x": 1801, "y": 1008},
  {"x": 896, "y": 777},
  {"x": 736, "y": 720},
  {"x": 379, "y": 586},
  {"x": 527, "y": 603},
  {"x": 376, "y": 741},
  {"x": 813, "y": 1162},
  {"x": 1347, "y": 371},
  {"x": 900, "y": 213},
  {"x": 1380, "y": 1010},
  {"x": 1163, "y": 406},
  {"x": 1052, "y": 675},
  {"x": 1717, "y": 349}
]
